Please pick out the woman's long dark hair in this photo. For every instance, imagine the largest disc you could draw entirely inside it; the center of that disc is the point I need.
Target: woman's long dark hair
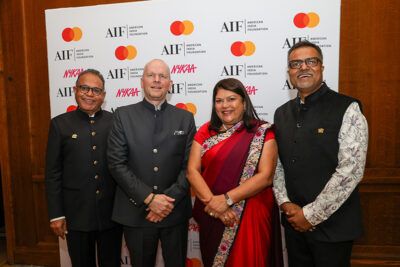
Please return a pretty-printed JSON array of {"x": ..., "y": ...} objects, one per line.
[{"x": 250, "y": 117}]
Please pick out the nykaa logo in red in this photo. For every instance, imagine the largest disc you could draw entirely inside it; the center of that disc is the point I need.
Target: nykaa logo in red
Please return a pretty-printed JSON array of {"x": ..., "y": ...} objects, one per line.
[
  {"x": 251, "y": 89},
  {"x": 72, "y": 73},
  {"x": 183, "y": 68},
  {"x": 127, "y": 92}
]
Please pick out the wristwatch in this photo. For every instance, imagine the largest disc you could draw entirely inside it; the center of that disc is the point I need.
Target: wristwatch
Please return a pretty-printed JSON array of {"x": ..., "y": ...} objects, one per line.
[{"x": 229, "y": 200}]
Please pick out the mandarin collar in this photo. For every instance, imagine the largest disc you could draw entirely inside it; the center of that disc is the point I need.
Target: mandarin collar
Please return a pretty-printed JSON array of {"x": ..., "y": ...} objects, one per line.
[
  {"x": 152, "y": 107},
  {"x": 311, "y": 99},
  {"x": 83, "y": 114}
]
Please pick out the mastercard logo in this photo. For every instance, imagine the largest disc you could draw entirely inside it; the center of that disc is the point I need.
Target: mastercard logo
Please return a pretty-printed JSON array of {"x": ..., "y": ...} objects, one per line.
[
  {"x": 302, "y": 20},
  {"x": 193, "y": 262},
  {"x": 188, "y": 106},
  {"x": 71, "y": 108},
  {"x": 128, "y": 52},
  {"x": 246, "y": 48},
  {"x": 181, "y": 27},
  {"x": 72, "y": 34}
]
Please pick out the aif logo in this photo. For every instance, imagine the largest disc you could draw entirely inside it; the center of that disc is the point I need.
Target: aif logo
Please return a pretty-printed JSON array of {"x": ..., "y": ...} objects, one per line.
[
  {"x": 128, "y": 52},
  {"x": 72, "y": 34},
  {"x": 232, "y": 70},
  {"x": 232, "y": 26},
  {"x": 181, "y": 27},
  {"x": 118, "y": 31},
  {"x": 188, "y": 106},
  {"x": 65, "y": 91},
  {"x": 177, "y": 88},
  {"x": 302, "y": 20},
  {"x": 246, "y": 48}
]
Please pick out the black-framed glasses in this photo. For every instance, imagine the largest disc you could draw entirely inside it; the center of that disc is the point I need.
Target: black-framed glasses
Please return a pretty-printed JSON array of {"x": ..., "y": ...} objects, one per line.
[
  {"x": 85, "y": 89},
  {"x": 310, "y": 62}
]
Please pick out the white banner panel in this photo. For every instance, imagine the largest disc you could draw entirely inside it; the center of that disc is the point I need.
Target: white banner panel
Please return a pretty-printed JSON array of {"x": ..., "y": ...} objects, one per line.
[{"x": 202, "y": 41}]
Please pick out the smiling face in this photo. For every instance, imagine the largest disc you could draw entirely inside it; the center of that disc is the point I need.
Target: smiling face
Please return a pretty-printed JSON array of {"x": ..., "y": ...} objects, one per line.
[
  {"x": 306, "y": 79},
  {"x": 229, "y": 107},
  {"x": 156, "y": 81},
  {"x": 89, "y": 102}
]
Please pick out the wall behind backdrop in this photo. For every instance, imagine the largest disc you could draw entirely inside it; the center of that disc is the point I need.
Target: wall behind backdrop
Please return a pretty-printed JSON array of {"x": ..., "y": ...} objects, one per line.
[{"x": 369, "y": 70}]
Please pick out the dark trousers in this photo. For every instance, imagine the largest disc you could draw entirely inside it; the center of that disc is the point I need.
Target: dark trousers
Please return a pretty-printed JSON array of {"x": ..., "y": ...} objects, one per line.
[
  {"x": 81, "y": 247},
  {"x": 142, "y": 243},
  {"x": 304, "y": 251}
]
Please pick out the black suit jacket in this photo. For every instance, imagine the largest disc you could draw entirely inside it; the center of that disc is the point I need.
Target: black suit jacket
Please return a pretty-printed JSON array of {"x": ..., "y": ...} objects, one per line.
[
  {"x": 148, "y": 152},
  {"x": 78, "y": 183}
]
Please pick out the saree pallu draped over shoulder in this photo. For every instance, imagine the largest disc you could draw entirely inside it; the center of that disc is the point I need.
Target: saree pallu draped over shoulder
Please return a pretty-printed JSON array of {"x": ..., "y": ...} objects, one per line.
[{"x": 229, "y": 159}]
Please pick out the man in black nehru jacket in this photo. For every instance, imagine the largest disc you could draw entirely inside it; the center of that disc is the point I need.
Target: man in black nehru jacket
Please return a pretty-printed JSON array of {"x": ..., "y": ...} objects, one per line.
[
  {"x": 148, "y": 151},
  {"x": 322, "y": 139},
  {"x": 80, "y": 190}
]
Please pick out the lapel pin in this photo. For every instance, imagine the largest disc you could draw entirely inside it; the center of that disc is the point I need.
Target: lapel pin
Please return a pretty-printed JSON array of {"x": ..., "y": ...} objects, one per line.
[
  {"x": 74, "y": 136},
  {"x": 321, "y": 130}
]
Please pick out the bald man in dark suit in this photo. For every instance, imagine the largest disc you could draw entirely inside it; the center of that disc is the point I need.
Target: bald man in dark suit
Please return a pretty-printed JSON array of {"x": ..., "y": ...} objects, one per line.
[{"x": 148, "y": 151}]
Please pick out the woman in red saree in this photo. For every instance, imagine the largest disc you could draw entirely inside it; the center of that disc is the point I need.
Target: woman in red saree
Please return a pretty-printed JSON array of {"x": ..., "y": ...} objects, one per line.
[{"x": 231, "y": 166}]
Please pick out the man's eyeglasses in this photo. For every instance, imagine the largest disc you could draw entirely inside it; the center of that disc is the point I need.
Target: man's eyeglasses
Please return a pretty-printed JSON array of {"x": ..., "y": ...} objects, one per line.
[
  {"x": 310, "y": 62},
  {"x": 85, "y": 89}
]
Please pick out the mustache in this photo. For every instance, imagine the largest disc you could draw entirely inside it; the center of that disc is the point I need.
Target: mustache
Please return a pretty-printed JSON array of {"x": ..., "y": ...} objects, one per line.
[{"x": 304, "y": 73}]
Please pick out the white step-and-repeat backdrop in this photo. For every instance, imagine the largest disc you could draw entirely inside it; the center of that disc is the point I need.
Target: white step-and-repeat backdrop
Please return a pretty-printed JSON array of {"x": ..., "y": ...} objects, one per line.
[{"x": 202, "y": 41}]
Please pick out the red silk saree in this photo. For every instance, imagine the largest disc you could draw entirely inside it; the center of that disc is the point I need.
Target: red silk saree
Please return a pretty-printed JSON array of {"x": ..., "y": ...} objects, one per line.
[{"x": 229, "y": 159}]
